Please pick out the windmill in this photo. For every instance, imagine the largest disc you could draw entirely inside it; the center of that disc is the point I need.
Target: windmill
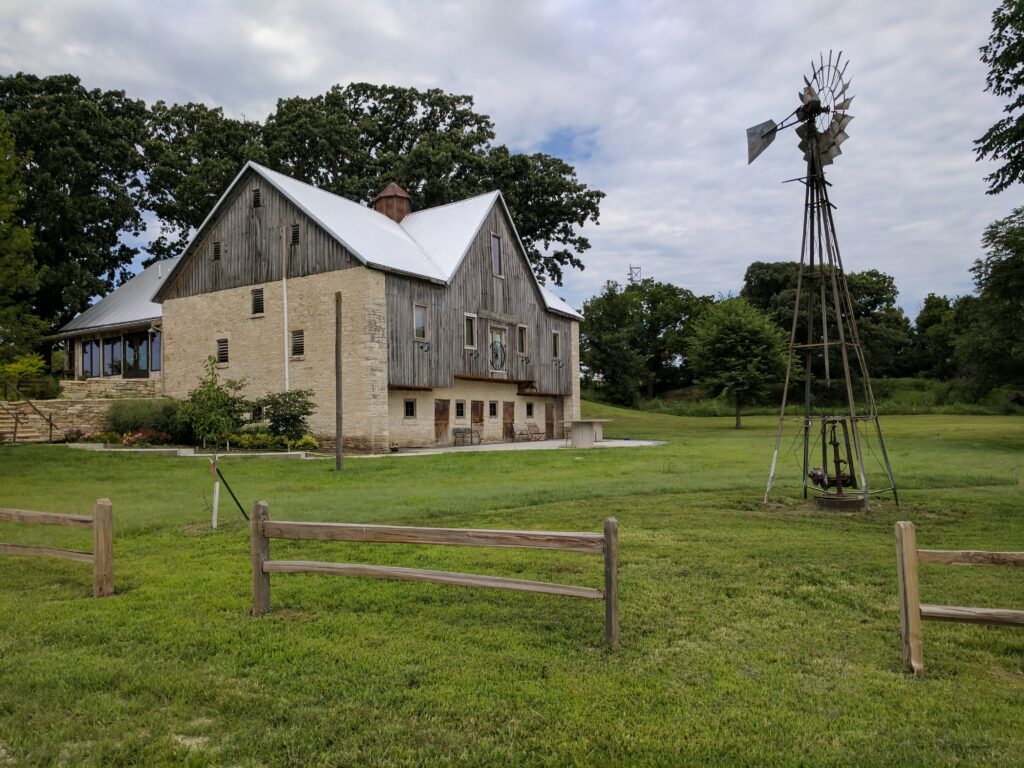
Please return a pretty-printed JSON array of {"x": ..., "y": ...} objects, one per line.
[{"x": 824, "y": 329}]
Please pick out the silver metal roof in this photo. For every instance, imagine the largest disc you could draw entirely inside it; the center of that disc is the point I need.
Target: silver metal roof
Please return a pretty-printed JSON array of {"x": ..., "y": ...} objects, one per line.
[{"x": 130, "y": 303}]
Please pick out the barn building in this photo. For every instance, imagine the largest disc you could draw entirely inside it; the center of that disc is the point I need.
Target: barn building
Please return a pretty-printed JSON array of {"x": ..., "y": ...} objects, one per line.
[{"x": 445, "y": 327}]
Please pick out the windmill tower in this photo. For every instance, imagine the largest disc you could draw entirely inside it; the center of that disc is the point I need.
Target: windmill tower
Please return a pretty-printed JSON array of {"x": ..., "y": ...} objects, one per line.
[{"x": 839, "y": 412}]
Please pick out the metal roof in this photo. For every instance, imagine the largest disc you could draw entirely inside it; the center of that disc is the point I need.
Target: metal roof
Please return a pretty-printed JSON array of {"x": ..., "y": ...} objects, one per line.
[
  {"x": 130, "y": 303},
  {"x": 428, "y": 244}
]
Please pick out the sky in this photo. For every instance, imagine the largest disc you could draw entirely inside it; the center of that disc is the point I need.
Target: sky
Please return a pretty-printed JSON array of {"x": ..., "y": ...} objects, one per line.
[{"x": 650, "y": 101}]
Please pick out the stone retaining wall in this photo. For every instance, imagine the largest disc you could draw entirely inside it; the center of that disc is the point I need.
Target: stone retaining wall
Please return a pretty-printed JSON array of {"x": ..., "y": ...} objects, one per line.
[{"x": 110, "y": 388}]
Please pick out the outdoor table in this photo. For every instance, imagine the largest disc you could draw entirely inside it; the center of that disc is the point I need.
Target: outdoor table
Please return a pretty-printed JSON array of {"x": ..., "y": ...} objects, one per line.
[{"x": 586, "y": 432}]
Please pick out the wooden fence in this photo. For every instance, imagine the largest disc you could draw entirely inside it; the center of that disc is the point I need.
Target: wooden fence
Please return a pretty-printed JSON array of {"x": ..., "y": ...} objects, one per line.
[
  {"x": 102, "y": 555},
  {"x": 263, "y": 529},
  {"x": 913, "y": 612}
]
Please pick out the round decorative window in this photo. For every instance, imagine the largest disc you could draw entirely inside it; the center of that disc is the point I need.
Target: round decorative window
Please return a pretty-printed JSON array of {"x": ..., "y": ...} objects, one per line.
[{"x": 497, "y": 356}]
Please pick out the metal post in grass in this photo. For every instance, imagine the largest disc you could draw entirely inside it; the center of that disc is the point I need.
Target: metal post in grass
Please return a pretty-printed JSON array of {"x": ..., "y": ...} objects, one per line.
[
  {"x": 910, "y": 597},
  {"x": 102, "y": 548},
  {"x": 611, "y": 582},
  {"x": 260, "y": 547}
]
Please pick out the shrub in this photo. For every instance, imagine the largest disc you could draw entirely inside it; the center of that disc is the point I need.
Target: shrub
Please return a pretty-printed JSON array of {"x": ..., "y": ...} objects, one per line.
[
  {"x": 75, "y": 436},
  {"x": 145, "y": 437},
  {"x": 159, "y": 415},
  {"x": 288, "y": 413},
  {"x": 306, "y": 443},
  {"x": 214, "y": 410}
]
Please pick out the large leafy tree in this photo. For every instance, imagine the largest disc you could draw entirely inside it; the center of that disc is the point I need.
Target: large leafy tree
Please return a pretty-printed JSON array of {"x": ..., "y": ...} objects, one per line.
[
  {"x": 737, "y": 351},
  {"x": 19, "y": 280},
  {"x": 633, "y": 338},
  {"x": 83, "y": 183},
  {"x": 884, "y": 328},
  {"x": 934, "y": 338},
  {"x": 352, "y": 141},
  {"x": 1004, "y": 55}
]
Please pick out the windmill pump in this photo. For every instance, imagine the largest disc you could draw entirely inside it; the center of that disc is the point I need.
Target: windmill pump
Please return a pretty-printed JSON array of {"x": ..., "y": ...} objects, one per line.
[{"x": 824, "y": 334}]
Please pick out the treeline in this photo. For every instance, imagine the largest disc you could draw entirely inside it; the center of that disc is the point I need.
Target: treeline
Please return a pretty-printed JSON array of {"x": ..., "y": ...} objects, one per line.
[
  {"x": 82, "y": 170},
  {"x": 648, "y": 338}
]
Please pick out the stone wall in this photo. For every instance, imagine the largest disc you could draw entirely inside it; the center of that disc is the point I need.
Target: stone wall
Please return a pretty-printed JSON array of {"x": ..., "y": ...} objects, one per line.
[
  {"x": 257, "y": 346},
  {"x": 86, "y": 414},
  {"x": 111, "y": 387}
]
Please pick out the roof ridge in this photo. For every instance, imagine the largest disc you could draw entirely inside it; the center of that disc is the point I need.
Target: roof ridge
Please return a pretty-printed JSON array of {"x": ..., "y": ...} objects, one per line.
[{"x": 454, "y": 202}]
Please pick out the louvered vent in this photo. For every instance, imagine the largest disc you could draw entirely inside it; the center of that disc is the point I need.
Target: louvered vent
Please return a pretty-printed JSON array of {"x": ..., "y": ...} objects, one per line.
[
  {"x": 257, "y": 301},
  {"x": 298, "y": 343},
  {"x": 295, "y": 234},
  {"x": 216, "y": 251},
  {"x": 257, "y": 200},
  {"x": 222, "y": 350}
]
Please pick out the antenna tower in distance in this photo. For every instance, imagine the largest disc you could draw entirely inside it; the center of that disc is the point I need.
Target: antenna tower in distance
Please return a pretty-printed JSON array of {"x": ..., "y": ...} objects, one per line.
[{"x": 843, "y": 418}]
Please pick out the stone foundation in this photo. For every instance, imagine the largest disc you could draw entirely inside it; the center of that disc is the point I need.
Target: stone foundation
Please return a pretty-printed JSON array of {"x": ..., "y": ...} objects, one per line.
[{"x": 110, "y": 388}]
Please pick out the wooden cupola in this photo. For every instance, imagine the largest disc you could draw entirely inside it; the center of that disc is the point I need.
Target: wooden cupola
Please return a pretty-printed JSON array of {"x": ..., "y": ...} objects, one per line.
[{"x": 394, "y": 202}]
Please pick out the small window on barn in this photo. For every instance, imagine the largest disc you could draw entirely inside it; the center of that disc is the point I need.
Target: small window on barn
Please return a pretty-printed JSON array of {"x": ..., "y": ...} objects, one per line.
[
  {"x": 470, "y": 342},
  {"x": 216, "y": 251},
  {"x": 496, "y": 254},
  {"x": 529, "y": 410},
  {"x": 257, "y": 199},
  {"x": 556, "y": 342},
  {"x": 492, "y": 409},
  {"x": 410, "y": 408},
  {"x": 298, "y": 343},
  {"x": 420, "y": 322},
  {"x": 460, "y": 409},
  {"x": 257, "y": 301},
  {"x": 521, "y": 340},
  {"x": 222, "y": 351},
  {"x": 294, "y": 235}
]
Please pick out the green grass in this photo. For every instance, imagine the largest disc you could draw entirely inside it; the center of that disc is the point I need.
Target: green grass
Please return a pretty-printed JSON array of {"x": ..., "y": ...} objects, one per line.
[{"x": 748, "y": 636}]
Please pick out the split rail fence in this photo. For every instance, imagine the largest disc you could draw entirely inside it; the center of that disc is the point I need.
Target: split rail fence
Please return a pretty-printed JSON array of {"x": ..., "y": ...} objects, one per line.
[
  {"x": 102, "y": 555},
  {"x": 913, "y": 613},
  {"x": 263, "y": 529}
]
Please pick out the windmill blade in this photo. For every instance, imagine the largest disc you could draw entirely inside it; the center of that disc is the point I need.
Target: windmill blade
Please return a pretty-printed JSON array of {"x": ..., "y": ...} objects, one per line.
[
  {"x": 843, "y": 121},
  {"x": 801, "y": 130},
  {"x": 844, "y": 105},
  {"x": 759, "y": 137}
]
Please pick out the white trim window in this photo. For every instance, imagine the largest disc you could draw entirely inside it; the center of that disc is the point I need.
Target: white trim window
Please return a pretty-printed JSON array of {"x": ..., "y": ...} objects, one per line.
[
  {"x": 521, "y": 339},
  {"x": 556, "y": 345},
  {"x": 497, "y": 267},
  {"x": 470, "y": 331},
  {"x": 420, "y": 322}
]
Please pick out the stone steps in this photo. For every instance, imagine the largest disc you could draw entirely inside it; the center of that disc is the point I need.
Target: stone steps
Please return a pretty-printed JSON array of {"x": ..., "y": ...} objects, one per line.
[{"x": 31, "y": 428}]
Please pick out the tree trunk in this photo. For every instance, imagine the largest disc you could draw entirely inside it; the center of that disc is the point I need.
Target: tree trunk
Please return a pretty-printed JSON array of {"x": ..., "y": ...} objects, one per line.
[{"x": 739, "y": 424}]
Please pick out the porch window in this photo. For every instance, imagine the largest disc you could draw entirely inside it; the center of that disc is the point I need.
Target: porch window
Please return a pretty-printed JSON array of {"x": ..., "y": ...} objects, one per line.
[
  {"x": 154, "y": 351},
  {"x": 112, "y": 356},
  {"x": 91, "y": 364}
]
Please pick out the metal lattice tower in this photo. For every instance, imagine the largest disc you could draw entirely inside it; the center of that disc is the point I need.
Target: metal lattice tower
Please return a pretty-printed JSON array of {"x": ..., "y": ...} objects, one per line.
[{"x": 824, "y": 335}]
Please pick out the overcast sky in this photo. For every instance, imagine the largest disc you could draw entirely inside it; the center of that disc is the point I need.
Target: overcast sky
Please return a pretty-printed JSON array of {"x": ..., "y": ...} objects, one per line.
[{"x": 649, "y": 100}]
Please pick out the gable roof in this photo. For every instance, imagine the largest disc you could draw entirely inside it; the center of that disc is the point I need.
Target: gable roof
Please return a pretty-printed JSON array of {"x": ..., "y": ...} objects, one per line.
[
  {"x": 129, "y": 304},
  {"x": 428, "y": 244}
]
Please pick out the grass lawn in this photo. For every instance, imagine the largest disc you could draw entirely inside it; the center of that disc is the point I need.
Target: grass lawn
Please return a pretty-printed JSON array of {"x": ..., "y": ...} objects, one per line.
[{"x": 748, "y": 636}]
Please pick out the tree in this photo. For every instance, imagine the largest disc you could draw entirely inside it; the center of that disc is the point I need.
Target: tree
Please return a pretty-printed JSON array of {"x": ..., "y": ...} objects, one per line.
[
  {"x": 83, "y": 182},
  {"x": 19, "y": 280},
  {"x": 1004, "y": 55},
  {"x": 737, "y": 351},
  {"x": 192, "y": 153},
  {"x": 352, "y": 141},
  {"x": 933, "y": 338},
  {"x": 608, "y": 352},
  {"x": 214, "y": 410},
  {"x": 288, "y": 412}
]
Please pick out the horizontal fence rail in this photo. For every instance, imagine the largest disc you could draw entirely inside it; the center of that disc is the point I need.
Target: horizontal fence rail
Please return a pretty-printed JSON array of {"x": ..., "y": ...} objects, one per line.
[
  {"x": 913, "y": 613},
  {"x": 263, "y": 529},
  {"x": 102, "y": 555}
]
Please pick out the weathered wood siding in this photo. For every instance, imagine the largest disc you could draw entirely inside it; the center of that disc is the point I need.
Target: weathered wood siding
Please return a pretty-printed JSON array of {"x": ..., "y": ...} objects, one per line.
[
  {"x": 254, "y": 243},
  {"x": 508, "y": 302}
]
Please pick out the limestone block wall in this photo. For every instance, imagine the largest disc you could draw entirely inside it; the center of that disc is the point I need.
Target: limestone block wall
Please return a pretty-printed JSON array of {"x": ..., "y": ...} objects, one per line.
[
  {"x": 259, "y": 346},
  {"x": 419, "y": 431},
  {"x": 86, "y": 414},
  {"x": 572, "y": 402},
  {"x": 111, "y": 387}
]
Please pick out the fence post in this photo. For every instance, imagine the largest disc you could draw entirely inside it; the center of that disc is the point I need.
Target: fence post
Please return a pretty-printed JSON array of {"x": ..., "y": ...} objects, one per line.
[
  {"x": 611, "y": 582},
  {"x": 260, "y": 554},
  {"x": 102, "y": 548},
  {"x": 910, "y": 597}
]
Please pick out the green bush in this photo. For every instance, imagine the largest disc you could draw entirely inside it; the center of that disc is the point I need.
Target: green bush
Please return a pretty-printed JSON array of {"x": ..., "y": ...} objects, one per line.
[
  {"x": 157, "y": 415},
  {"x": 288, "y": 413},
  {"x": 306, "y": 443},
  {"x": 214, "y": 410}
]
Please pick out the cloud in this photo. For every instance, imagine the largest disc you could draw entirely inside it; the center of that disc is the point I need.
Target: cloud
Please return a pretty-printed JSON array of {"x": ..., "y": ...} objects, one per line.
[{"x": 649, "y": 100}]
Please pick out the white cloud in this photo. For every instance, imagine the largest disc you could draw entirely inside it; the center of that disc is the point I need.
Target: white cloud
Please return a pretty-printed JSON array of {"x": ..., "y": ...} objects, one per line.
[{"x": 662, "y": 92}]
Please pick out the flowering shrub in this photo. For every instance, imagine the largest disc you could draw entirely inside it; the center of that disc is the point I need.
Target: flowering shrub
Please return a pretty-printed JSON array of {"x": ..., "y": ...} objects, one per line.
[
  {"x": 143, "y": 437},
  {"x": 76, "y": 436}
]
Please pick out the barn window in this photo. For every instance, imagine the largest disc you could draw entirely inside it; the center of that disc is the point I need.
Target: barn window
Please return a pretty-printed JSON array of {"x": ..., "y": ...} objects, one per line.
[
  {"x": 420, "y": 320},
  {"x": 529, "y": 410},
  {"x": 298, "y": 343},
  {"x": 496, "y": 254},
  {"x": 216, "y": 251},
  {"x": 460, "y": 409},
  {"x": 470, "y": 332},
  {"x": 257, "y": 301},
  {"x": 556, "y": 339},
  {"x": 521, "y": 340},
  {"x": 410, "y": 408},
  {"x": 257, "y": 199},
  {"x": 222, "y": 351},
  {"x": 492, "y": 409},
  {"x": 295, "y": 234}
]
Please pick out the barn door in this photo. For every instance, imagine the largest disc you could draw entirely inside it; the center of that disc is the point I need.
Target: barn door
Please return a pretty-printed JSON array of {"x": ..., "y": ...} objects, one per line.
[
  {"x": 441, "y": 408},
  {"x": 549, "y": 421},
  {"x": 508, "y": 421},
  {"x": 477, "y": 413}
]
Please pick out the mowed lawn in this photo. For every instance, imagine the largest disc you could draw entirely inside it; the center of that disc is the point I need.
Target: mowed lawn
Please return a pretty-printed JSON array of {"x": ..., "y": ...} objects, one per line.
[{"x": 749, "y": 637}]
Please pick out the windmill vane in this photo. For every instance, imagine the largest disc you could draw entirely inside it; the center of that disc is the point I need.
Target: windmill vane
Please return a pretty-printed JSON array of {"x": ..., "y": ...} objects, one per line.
[{"x": 824, "y": 335}]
